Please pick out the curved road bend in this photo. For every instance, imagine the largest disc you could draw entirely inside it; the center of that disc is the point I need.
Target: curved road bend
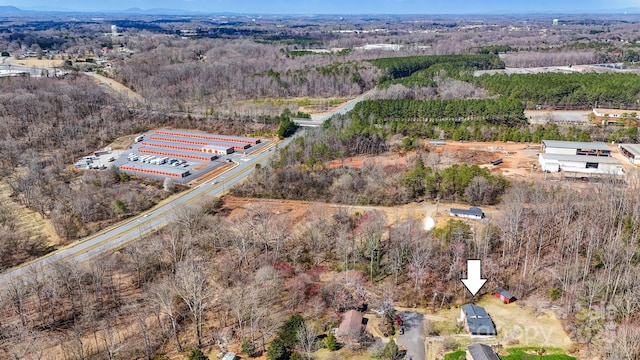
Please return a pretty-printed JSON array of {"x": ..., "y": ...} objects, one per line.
[{"x": 152, "y": 220}]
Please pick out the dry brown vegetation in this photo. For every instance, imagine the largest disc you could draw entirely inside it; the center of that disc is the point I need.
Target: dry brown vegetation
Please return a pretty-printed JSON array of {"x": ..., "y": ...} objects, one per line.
[
  {"x": 47, "y": 125},
  {"x": 232, "y": 272},
  {"x": 235, "y": 276}
]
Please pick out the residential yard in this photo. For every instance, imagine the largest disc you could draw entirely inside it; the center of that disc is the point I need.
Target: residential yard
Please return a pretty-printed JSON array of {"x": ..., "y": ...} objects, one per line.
[
  {"x": 517, "y": 325},
  {"x": 530, "y": 353},
  {"x": 344, "y": 353},
  {"x": 518, "y": 354},
  {"x": 517, "y": 322}
]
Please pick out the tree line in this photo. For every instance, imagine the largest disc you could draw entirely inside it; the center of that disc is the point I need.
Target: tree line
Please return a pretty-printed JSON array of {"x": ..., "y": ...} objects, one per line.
[
  {"x": 502, "y": 110},
  {"x": 399, "y": 67},
  {"x": 573, "y": 90}
]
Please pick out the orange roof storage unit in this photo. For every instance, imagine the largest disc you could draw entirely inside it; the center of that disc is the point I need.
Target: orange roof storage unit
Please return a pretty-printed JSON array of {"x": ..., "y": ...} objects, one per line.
[
  {"x": 193, "y": 155},
  {"x": 154, "y": 170},
  {"x": 178, "y": 139},
  {"x": 235, "y": 139}
]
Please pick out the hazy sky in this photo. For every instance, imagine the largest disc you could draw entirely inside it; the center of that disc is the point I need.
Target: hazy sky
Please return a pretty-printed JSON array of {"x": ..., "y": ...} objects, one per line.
[{"x": 337, "y": 6}]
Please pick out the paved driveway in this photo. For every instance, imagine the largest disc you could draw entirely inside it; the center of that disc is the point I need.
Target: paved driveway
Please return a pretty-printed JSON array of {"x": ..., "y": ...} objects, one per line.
[{"x": 413, "y": 338}]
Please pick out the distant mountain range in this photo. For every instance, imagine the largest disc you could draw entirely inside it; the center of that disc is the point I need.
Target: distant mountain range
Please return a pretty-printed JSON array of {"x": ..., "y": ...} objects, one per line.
[
  {"x": 15, "y": 11},
  {"x": 12, "y": 10}
]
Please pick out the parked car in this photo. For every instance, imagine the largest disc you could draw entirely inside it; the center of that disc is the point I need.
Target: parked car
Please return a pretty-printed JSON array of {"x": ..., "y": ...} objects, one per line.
[{"x": 401, "y": 330}]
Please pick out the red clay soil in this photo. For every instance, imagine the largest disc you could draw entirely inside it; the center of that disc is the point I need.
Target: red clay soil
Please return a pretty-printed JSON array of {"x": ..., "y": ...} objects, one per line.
[{"x": 518, "y": 158}]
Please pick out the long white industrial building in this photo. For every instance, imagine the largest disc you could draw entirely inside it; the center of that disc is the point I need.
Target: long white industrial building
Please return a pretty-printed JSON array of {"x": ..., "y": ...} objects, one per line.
[
  {"x": 580, "y": 164},
  {"x": 575, "y": 148},
  {"x": 631, "y": 152}
]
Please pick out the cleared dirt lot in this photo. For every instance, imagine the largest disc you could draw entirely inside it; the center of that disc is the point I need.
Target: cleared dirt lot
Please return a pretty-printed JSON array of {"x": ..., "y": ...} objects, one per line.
[
  {"x": 35, "y": 62},
  {"x": 518, "y": 158},
  {"x": 543, "y": 117}
]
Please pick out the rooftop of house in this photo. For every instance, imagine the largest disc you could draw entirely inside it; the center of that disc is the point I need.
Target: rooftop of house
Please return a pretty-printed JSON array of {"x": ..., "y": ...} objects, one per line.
[
  {"x": 478, "y": 320},
  {"x": 476, "y": 211},
  {"x": 482, "y": 352},
  {"x": 351, "y": 323}
]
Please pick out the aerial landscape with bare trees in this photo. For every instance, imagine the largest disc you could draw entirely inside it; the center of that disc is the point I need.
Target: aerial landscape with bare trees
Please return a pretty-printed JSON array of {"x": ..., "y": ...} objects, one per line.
[{"x": 350, "y": 216}]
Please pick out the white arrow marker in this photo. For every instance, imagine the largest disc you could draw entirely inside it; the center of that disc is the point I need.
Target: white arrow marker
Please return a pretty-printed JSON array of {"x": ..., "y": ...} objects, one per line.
[{"x": 473, "y": 282}]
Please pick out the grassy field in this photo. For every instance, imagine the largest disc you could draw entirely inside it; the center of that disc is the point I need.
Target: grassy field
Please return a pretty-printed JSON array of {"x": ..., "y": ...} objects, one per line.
[
  {"x": 517, "y": 322},
  {"x": 530, "y": 353},
  {"x": 520, "y": 353},
  {"x": 458, "y": 355}
]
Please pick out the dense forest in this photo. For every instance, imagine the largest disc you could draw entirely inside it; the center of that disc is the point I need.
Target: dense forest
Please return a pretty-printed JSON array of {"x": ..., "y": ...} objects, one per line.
[
  {"x": 566, "y": 91},
  {"x": 399, "y": 67},
  {"x": 501, "y": 111}
]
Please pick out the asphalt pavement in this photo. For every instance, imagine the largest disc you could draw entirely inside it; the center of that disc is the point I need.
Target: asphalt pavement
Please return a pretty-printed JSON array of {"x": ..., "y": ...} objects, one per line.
[{"x": 413, "y": 338}]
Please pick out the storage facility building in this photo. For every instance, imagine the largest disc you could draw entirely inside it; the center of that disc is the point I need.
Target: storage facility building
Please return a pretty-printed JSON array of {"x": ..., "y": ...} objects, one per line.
[
  {"x": 193, "y": 155},
  {"x": 204, "y": 136},
  {"x": 580, "y": 164},
  {"x": 631, "y": 152},
  {"x": 211, "y": 149},
  {"x": 148, "y": 169},
  {"x": 575, "y": 148},
  {"x": 184, "y": 140}
]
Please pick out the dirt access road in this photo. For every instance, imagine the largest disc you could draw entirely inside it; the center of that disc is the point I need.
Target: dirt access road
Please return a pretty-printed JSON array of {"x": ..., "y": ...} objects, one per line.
[{"x": 118, "y": 88}]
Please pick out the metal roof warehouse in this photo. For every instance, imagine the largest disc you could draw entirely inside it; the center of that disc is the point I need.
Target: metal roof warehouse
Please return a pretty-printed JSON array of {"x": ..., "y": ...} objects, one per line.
[
  {"x": 580, "y": 163},
  {"x": 631, "y": 152},
  {"x": 575, "y": 148}
]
